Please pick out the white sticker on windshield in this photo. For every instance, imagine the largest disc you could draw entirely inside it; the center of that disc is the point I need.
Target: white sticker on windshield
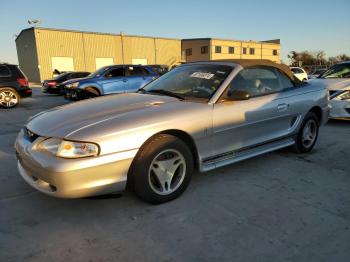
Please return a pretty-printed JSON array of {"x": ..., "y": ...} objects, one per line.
[{"x": 202, "y": 75}]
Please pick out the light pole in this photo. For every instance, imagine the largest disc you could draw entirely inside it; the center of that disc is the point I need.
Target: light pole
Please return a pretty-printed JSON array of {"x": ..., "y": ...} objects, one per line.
[{"x": 34, "y": 22}]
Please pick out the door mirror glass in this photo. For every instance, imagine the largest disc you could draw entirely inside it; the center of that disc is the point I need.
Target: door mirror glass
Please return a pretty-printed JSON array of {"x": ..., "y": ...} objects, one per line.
[{"x": 237, "y": 95}]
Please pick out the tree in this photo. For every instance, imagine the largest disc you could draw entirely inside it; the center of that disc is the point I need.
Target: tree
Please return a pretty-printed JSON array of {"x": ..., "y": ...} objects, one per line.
[{"x": 314, "y": 59}]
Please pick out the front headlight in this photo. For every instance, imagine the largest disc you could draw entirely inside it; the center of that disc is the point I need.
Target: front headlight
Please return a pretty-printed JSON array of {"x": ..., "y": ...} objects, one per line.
[
  {"x": 345, "y": 95},
  {"x": 68, "y": 149},
  {"x": 73, "y": 85}
]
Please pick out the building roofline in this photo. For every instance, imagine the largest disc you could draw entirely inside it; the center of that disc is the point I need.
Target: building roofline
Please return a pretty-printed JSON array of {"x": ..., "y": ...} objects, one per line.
[
  {"x": 91, "y": 32},
  {"x": 274, "y": 41}
]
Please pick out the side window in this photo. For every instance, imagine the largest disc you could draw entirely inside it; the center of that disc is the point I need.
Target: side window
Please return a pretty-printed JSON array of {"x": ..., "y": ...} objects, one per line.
[
  {"x": 71, "y": 76},
  {"x": 83, "y": 74},
  {"x": 4, "y": 71},
  {"x": 144, "y": 71},
  {"x": 116, "y": 72},
  {"x": 286, "y": 82},
  {"x": 133, "y": 71},
  {"x": 256, "y": 81}
]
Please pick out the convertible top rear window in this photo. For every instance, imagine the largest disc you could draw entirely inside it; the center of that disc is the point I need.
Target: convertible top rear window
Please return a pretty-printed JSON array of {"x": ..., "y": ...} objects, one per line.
[{"x": 198, "y": 81}]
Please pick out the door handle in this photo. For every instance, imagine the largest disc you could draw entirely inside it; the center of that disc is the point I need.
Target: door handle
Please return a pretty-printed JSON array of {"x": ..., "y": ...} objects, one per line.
[
  {"x": 282, "y": 107},
  {"x": 125, "y": 80}
]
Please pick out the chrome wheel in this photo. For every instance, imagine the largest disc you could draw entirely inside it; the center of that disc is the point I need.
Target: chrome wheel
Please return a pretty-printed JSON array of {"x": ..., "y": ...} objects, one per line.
[
  {"x": 8, "y": 98},
  {"x": 167, "y": 172},
  {"x": 309, "y": 133}
]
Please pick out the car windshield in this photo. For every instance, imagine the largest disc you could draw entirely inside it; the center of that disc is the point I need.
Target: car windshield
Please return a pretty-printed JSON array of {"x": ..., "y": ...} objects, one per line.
[
  {"x": 190, "y": 81},
  {"x": 337, "y": 71},
  {"x": 98, "y": 72}
]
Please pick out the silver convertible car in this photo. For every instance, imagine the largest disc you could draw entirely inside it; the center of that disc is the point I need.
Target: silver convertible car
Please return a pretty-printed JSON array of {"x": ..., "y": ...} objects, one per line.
[{"x": 199, "y": 116}]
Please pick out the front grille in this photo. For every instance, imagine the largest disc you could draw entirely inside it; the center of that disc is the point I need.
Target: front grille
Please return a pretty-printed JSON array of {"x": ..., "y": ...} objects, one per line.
[{"x": 29, "y": 135}]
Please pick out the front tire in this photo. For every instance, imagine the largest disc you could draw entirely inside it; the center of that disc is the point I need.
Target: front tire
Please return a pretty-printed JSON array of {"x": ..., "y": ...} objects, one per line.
[
  {"x": 92, "y": 92},
  {"x": 162, "y": 169},
  {"x": 307, "y": 135},
  {"x": 9, "y": 97}
]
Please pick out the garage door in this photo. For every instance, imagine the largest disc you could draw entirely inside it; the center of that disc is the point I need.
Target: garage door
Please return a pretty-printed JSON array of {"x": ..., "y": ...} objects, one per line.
[
  {"x": 62, "y": 64},
  {"x": 103, "y": 61},
  {"x": 139, "y": 61}
]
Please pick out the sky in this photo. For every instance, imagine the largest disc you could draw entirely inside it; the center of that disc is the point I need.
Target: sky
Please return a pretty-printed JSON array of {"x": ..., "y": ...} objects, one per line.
[{"x": 301, "y": 25}]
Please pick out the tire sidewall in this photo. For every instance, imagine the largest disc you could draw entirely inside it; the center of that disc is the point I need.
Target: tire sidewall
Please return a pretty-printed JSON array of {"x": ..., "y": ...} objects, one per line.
[
  {"x": 144, "y": 159},
  {"x": 15, "y": 92}
]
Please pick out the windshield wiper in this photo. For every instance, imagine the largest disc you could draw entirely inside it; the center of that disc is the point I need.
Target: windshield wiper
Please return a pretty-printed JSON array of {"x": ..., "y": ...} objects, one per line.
[{"x": 164, "y": 92}]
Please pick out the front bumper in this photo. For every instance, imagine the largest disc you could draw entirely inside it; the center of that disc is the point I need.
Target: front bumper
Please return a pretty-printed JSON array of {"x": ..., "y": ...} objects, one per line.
[
  {"x": 52, "y": 90},
  {"x": 76, "y": 94},
  {"x": 339, "y": 108},
  {"x": 72, "y": 178}
]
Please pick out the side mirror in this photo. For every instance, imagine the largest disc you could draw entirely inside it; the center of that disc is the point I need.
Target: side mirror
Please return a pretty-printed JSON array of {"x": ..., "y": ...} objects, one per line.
[{"x": 238, "y": 95}]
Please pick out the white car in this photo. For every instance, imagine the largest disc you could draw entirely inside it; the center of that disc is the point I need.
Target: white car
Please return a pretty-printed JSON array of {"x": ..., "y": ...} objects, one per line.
[
  {"x": 337, "y": 81},
  {"x": 299, "y": 73}
]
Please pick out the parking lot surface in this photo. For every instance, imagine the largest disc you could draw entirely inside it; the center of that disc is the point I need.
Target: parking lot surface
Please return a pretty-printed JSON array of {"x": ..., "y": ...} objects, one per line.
[{"x": 276, "y": 207}]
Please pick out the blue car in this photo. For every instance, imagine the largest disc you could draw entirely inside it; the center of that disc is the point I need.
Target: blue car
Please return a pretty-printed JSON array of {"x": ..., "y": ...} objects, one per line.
[{"x": 109, "y": 80}]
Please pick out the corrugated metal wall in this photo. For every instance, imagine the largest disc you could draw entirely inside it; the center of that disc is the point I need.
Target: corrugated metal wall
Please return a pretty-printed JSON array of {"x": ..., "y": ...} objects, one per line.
[
  {"x": 54, "y": 43},
  {"x": 101, "y": 46},
  {"x": 138, "y": 48},
  {"x": 27, "y": 55},
  {"x": 85, "y": 47}
]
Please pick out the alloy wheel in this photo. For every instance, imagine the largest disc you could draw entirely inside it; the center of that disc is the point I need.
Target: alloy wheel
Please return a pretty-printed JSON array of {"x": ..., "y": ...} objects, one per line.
[
  {"x": 167, "y": 172},
  {"x": 309, "y": 133},
  {"x": 8, "y": 98}
]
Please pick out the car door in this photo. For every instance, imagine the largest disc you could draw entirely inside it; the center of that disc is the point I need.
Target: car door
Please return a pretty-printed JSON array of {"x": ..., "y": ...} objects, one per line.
[
  {"x": 262, "y": 118},
  {"x": 114, "y": 81},
  {"x": 136, "y": 77}
]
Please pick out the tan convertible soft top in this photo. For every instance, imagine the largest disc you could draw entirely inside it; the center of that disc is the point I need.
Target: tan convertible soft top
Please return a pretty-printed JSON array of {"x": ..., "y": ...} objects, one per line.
[{"x": 260, "y": 62}]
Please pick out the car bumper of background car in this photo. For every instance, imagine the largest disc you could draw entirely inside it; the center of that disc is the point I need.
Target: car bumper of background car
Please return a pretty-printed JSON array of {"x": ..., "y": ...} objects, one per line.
[
  {"x": 51, "y": 89},
  {"x": 25, "y": 92},
  {"x": 72, "y": 178},
  {"x": 340, "y": 109}
]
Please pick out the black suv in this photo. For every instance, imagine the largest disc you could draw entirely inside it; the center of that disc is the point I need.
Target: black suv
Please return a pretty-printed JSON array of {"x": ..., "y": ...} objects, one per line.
[
  {"x": 13, "y": 85},
  {"x": 53, "y": 86}
]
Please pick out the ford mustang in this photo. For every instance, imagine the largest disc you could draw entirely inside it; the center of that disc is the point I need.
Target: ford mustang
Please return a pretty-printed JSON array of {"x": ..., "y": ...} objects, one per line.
[{"x": 199, "y": 116}]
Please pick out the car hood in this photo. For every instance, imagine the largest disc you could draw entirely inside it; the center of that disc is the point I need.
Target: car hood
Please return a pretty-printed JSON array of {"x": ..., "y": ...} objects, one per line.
[
  {"x": 82, "y": 117},
  {"x": 332, "y": 83}
]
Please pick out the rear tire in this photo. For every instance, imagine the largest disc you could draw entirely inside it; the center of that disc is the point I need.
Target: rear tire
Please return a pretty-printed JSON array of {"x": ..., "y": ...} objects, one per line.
[
  {"x": 162, "y": 169},
  {"x": 9, "y": 97},
  {"x": 307, "y": 135}
]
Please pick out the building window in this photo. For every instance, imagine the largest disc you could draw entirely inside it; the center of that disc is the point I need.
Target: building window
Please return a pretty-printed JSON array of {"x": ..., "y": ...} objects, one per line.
[
  {"x": 218, "y": 49},
  {"x": 244, "y": 50},
  {"x": 252, "y": 51},
  {"x": 204, "y": 50},
  {"x": 274, "y": 52},
  {"x": 231, "y": 50},
  {"x": 188, "y": 51}
]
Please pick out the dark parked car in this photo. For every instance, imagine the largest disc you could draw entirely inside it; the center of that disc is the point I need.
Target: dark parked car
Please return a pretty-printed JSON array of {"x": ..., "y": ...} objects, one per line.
[
  {"x": 110, "y": 80},
  {"x": 53, "y": 86},
  {"x": 13, "y": 85}
]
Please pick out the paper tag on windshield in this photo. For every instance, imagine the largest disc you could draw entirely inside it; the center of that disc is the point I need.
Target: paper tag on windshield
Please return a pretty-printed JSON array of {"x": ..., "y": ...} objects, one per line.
[{"x": 202, "y": 75}]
